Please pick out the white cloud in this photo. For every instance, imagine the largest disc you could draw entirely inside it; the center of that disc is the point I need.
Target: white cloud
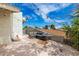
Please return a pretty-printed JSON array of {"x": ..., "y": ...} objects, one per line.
[
  {"x": 65, "y": 4},
  {"x": 48, "y": 20},
  {"x": 59, "y": 21},
  {"x": 44, "y": 9},
  {"x": 58, "y": 26}
]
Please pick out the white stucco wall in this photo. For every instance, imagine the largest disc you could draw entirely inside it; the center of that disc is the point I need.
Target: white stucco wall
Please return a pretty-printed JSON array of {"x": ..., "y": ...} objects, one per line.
[
  {"x": 5, "y": 29},
  {"x": 10, "y": 27},
  {"x": 16, "y": 20}
]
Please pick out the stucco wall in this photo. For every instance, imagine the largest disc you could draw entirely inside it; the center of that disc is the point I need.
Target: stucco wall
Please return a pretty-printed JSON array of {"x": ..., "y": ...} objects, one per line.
[
  {"x": 16, "y": 20},
  {"x": 10, "y": 27},
  {"x": 5, "y": 29}
]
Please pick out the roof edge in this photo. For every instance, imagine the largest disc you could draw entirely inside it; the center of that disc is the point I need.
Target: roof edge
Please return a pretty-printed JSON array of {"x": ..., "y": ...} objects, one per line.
[{"x": 8, "y": 7}]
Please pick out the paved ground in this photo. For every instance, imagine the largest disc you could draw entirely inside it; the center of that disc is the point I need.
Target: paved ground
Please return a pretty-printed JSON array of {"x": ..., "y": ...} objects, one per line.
[{"x": 35, "y": 47}]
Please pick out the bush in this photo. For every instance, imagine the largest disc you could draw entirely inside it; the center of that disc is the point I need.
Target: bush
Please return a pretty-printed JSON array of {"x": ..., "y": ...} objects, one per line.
[{"x": 72, "y": 32}]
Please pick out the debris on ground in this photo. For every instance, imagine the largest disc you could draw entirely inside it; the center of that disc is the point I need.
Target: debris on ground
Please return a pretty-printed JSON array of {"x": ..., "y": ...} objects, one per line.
[{"x": 36, "y": 47}]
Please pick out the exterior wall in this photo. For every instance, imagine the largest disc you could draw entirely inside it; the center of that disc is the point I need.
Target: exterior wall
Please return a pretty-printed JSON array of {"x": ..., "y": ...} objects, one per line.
[
  {"x": 16, "y": 20},
  {"x": 5, "y": 29},
  {"x": 10, "y": 27}
]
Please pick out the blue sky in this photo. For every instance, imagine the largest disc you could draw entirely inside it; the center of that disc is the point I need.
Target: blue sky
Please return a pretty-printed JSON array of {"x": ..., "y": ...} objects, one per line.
[{"x": 46, "y": 13}]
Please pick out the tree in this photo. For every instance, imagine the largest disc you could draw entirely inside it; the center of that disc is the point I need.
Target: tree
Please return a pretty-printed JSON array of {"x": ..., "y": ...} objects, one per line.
[
  {"x": 24, "y": 27},
  {"x": 75, "y": 29},
  {"x": 75, "y": 32},
  {"x": 46, "y": 27},
  {"x": 36, "y": 27},
  {"x": 72, "y": 32},
  {"x": 67, "y": 29},
  {"x": 52, "y": 26}
]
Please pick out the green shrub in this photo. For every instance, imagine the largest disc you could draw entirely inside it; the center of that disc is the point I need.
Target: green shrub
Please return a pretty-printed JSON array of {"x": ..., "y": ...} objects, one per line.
[{"x": 73, "y": 32}]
